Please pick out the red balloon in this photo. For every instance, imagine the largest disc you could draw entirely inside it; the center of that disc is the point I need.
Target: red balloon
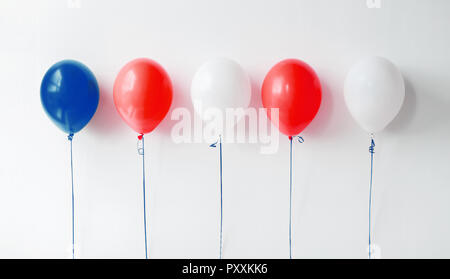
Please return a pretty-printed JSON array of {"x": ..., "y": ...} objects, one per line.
[
  {"x": 293, "y": 87},
  {"x": 142, "y": 94}
]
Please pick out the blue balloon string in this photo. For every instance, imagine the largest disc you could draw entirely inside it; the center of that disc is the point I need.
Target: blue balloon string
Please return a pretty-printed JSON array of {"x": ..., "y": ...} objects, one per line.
[
  {"x": 70, "y": 137},
  {"x": 221, "y": 195},
  {"x": 371, "y": 151},
  {"x": 300, "y": 140},
  {"x": 142, "y": 153},
  {"x": 290, "y": 202},
  {"x": 221, "y": 199}
]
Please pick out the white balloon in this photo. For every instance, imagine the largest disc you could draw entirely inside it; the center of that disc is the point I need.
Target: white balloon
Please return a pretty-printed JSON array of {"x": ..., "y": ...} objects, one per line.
[
  {"x": 374, "y": 93},
  {"x": 220, "y": 83}
]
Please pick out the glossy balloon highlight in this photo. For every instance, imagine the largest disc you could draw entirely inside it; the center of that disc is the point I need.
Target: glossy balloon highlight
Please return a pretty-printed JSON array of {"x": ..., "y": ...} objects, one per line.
[
  {"x": 69, "y": 95},
  {"x": 293, "y": 87},
  {"x": 142, "y": 94},
  {"x": 374, "y": 93},
  {"x": 220, "y": 83}
]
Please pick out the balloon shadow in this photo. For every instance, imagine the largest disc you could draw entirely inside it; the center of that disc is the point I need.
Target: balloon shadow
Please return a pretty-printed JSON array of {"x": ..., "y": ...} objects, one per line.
[
  {"x": 408, "y": 110},
  {"x": 106, "y": 120}
]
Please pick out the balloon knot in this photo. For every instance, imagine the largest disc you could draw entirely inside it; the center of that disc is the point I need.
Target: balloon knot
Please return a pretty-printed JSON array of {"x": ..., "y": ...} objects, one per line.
[
  {"x": 140, "y": 144},
  {"x": 299, "y": 138},
  {"x": 372, "y": 147},
  {"x": 214, "y": 145},
  {"x": 70, "y": 137}
]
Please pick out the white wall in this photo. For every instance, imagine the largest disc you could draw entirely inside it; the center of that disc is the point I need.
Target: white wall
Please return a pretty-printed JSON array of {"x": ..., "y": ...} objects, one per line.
[{"x": 412, "y": 208}]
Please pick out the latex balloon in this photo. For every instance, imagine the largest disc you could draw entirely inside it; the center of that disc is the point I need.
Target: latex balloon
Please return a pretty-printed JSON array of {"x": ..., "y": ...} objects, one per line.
[
  {"x": 69, "y": 95},
  {"x": 293, "y": 87},
  {"x": 220, "y": 83},
  {"x": 142, "y": 94},
  {"x": 374, "y": 93}
]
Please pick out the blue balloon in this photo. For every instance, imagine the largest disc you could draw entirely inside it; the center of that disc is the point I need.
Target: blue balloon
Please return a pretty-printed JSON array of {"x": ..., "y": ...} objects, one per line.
[{"x": 69, "y": 95}]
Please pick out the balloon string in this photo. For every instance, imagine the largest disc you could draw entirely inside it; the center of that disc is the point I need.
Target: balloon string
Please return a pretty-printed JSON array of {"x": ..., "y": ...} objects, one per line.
[
  {"x": 221, "y": 195},
  {"x": 300, "y": 140},
  {"x": 290, "y": 201},
  {"x": 371, "y": 151},
  {"x": 142, "y": 153},
  {"x": 70, "y": 137}
]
